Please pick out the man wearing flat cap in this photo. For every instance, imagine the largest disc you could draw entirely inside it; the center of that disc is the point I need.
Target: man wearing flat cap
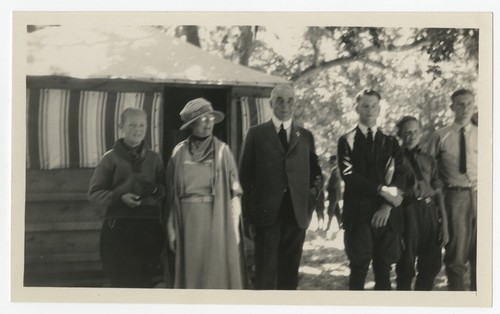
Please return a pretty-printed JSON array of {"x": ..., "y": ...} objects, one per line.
[{"x": 281, "y": 180}]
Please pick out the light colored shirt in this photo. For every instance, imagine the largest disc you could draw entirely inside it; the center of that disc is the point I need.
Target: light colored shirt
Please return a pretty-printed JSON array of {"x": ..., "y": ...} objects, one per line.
[
  {"x": 444, "y": 145},
  {"x": 364, "y": 129},
  {"x": 287, "y": 125}
]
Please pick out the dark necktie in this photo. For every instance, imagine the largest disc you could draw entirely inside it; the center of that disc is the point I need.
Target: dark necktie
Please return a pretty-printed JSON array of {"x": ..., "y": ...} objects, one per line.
[
  {"x": 414, "y": 165},
  {"x": 463, "y": 157},
  {"x": 369, "y": 139},
  {"x": 282, "y": 136}
]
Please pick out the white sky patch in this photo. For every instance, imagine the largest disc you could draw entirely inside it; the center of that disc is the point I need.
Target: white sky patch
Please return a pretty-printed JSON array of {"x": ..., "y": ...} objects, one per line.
[
  {"x": 310, "y": 270},
  {"x": 285, "y": 40}
]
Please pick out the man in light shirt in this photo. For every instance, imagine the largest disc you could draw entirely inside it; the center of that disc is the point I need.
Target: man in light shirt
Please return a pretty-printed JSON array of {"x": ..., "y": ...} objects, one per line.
[
  {"x": 455, "y": 149},
  {"x": 281, "y": 180}
]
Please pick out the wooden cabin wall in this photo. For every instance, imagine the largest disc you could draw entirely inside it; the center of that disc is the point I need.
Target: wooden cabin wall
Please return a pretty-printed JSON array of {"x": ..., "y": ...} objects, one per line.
[{"x": 61, "y": 230}]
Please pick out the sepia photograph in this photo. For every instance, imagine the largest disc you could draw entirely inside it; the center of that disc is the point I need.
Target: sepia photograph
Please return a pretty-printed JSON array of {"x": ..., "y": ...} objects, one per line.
[{"x": 199, "y": 155}]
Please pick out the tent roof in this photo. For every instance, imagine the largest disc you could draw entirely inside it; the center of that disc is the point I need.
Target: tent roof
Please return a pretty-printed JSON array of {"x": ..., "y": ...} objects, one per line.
[{"x": 139, "y": 53}]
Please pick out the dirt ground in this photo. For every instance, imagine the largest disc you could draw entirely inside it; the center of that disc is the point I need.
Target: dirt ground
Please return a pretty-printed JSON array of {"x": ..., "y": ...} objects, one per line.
[{"x": 324, "y": 265}]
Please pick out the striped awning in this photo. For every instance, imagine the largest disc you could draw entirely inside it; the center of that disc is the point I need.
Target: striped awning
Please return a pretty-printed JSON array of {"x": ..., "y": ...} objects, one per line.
[
  {"x": 253, "y": 111},
  {"x": 72, "y": 128}
]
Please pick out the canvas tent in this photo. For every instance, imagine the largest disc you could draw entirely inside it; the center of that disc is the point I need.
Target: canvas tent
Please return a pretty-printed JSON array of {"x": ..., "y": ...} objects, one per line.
[{"x": 78, "y": 81}]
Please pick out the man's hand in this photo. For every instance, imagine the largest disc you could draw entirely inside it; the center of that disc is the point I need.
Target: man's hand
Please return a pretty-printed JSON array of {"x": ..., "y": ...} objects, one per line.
[
  {"x": 391, "y": 194},
  {"x": 391, "y": 190},
  {"x": 313, "y": 192},
  {"x": 381, "y": 216},
  {"x": 444, "y": 235},
  {"x": 131, "y": 200}
]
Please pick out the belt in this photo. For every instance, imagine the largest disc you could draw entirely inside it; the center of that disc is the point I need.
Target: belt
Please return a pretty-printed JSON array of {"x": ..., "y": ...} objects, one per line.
[
  {"x": 459, "y": 188},
  {"x": 197, "y": 199},
  {"x": 427, "y": 200}
]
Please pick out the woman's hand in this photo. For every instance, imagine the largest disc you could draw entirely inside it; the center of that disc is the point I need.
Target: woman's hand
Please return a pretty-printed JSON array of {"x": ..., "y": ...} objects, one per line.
[
  {"x": 236, "y": 210},
  {"x": 171, "y": 235}
]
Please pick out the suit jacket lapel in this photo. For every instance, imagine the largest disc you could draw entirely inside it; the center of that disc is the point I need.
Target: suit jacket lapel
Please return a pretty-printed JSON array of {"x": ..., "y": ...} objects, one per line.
[
  {"x": 294, "y": 137},
  {"x": 360, "y": 142},
  {"x": 272, "y": 136},
  {"x": 378, "y": 148}
]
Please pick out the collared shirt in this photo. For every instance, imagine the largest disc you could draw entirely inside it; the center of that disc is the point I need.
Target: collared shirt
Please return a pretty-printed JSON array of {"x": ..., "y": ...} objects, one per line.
[
  {"x": 287, "y": 125},
  {"x": 364, "y": 129},
  {"x": 445, "y": 147},
  {"x": 430, "y": 174}
]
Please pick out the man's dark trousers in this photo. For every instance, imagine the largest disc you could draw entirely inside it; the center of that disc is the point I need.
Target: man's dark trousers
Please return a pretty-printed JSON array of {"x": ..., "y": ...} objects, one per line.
[
  {"x": 278, "y": 250},
  {"x": 365, "y": 243},
  {"x": 421, "y": 239}
]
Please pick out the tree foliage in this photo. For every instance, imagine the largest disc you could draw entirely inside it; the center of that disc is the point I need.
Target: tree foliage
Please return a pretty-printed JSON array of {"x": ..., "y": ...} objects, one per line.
[{"x": 414, "y": 69}]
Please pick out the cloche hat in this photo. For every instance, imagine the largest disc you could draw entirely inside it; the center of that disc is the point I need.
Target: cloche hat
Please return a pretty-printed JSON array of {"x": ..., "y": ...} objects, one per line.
[{"x": 197, "y": 108}]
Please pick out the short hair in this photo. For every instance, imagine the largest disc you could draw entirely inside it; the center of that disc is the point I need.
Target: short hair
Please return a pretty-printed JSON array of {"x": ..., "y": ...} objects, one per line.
[
  {"x": 280, "y": 87},
  {"x": 403, "y": 121},
  {"x": 459, "y": 92},
  {"x": 367, "y": 92},
  {"x": 129, "y": 112}
]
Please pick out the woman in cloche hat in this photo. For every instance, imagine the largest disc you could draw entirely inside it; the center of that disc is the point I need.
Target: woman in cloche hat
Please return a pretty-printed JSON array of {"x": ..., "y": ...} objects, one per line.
[{"x": 203, "y": 204}]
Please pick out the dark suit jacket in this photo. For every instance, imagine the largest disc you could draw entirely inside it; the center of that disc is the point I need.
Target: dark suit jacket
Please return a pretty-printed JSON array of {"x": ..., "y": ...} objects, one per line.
[
  {"x": 266, "y": 170},
  {"x": 363, "y": 173}
]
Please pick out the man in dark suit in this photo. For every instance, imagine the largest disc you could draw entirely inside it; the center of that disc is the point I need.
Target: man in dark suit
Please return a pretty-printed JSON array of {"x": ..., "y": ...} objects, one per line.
[
  {"x": 281, "y": 180},
  {"x": 370, "y": 164}
]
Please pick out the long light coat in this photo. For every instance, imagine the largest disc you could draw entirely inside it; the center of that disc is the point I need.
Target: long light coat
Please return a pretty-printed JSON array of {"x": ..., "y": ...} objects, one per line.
[{"x": 223, "y": 266}]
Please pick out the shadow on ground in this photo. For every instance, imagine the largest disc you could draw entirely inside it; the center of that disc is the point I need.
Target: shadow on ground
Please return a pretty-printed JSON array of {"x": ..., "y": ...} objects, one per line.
[{"x": 325, "y": 266}]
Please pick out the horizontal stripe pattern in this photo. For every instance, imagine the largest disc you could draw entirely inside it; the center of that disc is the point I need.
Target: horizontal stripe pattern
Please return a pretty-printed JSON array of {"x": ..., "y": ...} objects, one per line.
[{"x": 55, "y": 115}]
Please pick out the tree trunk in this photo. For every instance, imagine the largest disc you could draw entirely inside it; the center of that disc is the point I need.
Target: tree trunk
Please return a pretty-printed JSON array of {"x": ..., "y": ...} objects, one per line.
[
  {"x": 245, "y": 44},
  {"x": 191, "y": 32}
]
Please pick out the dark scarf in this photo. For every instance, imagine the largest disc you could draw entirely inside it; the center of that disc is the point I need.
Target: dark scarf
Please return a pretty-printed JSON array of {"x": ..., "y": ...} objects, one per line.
[
  {"x": 201, "y": 148},
  {"x": 415, "y": 167},
  {"x": 134, "y": 155}
]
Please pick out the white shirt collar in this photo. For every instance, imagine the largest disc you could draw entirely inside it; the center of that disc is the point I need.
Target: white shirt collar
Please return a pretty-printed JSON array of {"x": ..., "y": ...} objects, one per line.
[
  {"x": 466, "y": 127},
  {"x": 277, "y": 123},
  {"x": 364, "y": 129}
]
